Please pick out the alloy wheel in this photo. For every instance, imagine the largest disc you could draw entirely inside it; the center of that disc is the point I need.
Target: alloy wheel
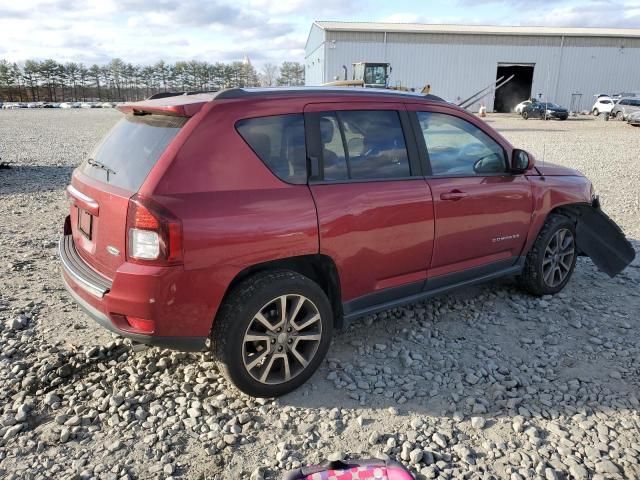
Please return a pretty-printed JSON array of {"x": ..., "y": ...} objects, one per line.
[
  {"x": 558, "y": 257},
  {"x": 282, "y": 339}
]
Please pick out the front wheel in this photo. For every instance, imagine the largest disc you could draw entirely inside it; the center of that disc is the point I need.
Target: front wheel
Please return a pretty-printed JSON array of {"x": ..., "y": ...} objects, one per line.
[
  {"x": 525, "y": 115},
  {"x": 552, "y": 258},
  {"x": 596, "y": 112},
  {"x": 619, "y": 115},
  {"x": 272, "y": 333}
]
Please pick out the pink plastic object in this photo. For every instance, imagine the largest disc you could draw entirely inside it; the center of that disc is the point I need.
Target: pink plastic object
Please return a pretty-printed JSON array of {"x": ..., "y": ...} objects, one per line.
[{"x": 353, "y": 470}]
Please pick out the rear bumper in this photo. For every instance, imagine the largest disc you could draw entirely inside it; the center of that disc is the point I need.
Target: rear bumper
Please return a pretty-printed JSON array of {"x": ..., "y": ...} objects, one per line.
[{"x": 128, "y": 295}]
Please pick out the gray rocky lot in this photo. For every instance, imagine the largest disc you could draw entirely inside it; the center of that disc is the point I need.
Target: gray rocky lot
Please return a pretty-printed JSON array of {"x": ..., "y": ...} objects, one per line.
[{"x": 485, "y": 383}]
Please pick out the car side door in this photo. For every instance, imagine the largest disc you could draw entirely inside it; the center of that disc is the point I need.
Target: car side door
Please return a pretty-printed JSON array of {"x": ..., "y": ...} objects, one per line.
[
  {"x": 375, "y": 210},
  {"x": 482, "y": 210}
]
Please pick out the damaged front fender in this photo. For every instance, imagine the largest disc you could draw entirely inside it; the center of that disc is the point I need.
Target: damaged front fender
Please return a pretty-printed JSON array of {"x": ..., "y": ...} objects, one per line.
[{"x": 601, "y": 239}]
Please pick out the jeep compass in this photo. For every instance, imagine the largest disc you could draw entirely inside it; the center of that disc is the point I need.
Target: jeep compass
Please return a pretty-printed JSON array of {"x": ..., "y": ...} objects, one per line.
[{"x": 253, "y": 222}]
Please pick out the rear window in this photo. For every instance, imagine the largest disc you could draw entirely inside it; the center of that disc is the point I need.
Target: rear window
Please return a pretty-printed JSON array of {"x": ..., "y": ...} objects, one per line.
[
  {"x": 127, "y": 154},
  {"x": 279, "y": 142}
]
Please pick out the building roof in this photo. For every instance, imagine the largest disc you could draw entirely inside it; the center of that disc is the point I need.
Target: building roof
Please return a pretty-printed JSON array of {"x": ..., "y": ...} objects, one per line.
[{"x": 475, "y": 29}]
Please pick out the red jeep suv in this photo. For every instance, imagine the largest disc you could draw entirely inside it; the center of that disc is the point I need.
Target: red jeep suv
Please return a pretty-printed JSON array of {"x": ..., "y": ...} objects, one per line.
[{"x": 255, "y": 221}]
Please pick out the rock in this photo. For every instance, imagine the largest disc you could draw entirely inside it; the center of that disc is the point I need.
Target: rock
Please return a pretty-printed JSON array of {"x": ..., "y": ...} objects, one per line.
[
  {"x": 579, "y": 472},
  {"x": 478, "y": 422},
  {"x": 168, "y": 469},
  {"x": 518, "y": 424},
  {"x": 13, "y": 431},
  {"x": 114, "y": 446},
  {"x": 14, "y": 324},
  {"x": 415, "y": 456},
  {"x": 257, "y": 474},
  {"x": 65, "y": 433},
  {"x": 607, "y": 466},
  {"x": 51, "y": 399},
  {"x": 374, "y": 438},
  {"x": 335, "y": 456},
  {"x": 439, "y": 440},
  {"x": 472, "y": 379}
]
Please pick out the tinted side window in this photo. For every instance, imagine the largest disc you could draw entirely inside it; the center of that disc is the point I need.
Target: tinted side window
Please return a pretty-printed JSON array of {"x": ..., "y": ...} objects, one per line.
[
  {"x": 279, "y": 142},
  {"x": 375, "y": 142},
  {"x": 457, "y": 147}
]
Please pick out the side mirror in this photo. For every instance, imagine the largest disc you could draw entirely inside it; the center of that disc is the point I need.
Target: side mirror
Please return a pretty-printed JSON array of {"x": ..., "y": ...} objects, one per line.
[{"x": 521, "y": 161}]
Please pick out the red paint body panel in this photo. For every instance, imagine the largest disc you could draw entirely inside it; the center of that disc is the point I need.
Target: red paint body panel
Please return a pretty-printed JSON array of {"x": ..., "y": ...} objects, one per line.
[
  {"x": 489, "y": 224},
  {"x": 380, "y": 234},
  {"x": 553, "y": 192},
  {"x": 553, "y": 170},
  {"x": 236, "y": 214},
  {"x": 108, "y": 227}
]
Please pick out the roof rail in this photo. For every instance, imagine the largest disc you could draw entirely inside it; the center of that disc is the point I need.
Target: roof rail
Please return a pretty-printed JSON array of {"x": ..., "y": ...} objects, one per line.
[{"x": 235, "y": 93}]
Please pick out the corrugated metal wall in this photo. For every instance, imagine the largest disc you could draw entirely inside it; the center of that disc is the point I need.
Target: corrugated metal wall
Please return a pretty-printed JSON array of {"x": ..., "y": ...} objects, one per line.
[
  {"x": 314, "y": 58},
  {"x": 457, "y": 65}
]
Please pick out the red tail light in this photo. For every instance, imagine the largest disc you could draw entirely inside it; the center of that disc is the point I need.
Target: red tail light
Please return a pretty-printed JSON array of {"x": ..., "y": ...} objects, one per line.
[{"x": 154, "y": 235}]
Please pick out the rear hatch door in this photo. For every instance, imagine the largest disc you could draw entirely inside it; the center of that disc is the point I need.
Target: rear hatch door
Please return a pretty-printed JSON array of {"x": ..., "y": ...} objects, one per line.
[{"x": 102, "y": 185}]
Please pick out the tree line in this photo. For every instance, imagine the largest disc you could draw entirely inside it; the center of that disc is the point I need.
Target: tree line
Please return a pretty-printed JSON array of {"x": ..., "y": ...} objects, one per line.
[{"x": 52, "y": 81}]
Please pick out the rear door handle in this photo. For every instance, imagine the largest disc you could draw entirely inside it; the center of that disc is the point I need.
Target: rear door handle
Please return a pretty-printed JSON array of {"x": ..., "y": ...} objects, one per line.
[{"x": 453, "y": 195}]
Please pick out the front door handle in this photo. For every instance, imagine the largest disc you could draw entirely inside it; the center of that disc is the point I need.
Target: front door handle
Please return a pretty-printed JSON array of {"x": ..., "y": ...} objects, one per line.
[{"x": 453, "y": 195}]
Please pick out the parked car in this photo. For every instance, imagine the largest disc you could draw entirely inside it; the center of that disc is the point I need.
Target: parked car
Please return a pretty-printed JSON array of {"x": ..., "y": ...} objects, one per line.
[
  {"x": 624, "y": 107},
  {"x": 339, "y": 203},
  {"x": 634, "y": 119},
  {"x": 86, "y": 105},
  {"x": 65, "y": 105},
  {"x": 545, "y": 110},
  {"x": 602, "y": 105},
  {"x": 521, "y": 106}
]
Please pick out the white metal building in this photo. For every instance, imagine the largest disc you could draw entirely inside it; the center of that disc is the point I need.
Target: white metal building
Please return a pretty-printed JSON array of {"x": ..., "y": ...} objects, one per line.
[{"x": 458, "y": 60}]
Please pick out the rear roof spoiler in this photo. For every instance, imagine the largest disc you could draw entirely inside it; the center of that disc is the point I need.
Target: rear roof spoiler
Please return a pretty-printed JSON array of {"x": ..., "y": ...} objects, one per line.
[{"x": 178, "y": 105}]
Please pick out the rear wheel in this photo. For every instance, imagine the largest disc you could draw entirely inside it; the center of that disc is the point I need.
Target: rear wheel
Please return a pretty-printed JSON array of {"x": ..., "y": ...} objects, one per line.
[
  {"x": 552, "y": 259},
  {"x": 619, "y": 115},
  {"x": 525, "y": 115},
  {"x": 272, "y": 333}
]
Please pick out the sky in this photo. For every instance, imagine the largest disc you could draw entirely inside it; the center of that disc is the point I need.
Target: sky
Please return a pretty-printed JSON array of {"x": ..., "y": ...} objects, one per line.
[{"x": 268, "y": 31}]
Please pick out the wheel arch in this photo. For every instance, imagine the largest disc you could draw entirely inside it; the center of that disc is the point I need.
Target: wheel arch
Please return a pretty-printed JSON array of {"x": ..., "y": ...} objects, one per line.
[
  {"x": 597, "y": 236},
  {"x": 317, "y": 267}
]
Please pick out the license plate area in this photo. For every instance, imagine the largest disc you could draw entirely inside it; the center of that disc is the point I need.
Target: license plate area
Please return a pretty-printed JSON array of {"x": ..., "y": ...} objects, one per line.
[{"x": 85, "y": 223}]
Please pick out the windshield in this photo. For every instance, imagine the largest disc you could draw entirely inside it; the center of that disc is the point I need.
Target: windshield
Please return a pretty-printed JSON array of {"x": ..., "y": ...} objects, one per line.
[
  {"x": 551, "y": 105},
  {"x": 126, "y": 155},
  {"x": 375, "y": 75}
]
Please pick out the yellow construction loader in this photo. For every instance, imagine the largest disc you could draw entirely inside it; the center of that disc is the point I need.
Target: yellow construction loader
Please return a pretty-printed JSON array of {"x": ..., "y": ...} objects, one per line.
[{"x": 371, "y": 75}]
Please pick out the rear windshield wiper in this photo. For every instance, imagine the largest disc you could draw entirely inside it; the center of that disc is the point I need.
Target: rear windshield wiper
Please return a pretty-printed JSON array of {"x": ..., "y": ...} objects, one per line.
[{"x": 102, "y": 166}]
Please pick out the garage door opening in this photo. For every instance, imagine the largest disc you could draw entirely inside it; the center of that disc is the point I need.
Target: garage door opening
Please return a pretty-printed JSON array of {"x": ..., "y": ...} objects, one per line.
[{"x": 515, "y": 91}]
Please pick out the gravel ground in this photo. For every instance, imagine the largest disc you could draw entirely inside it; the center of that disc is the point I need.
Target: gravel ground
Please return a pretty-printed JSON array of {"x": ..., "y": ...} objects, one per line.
[{"x": 485, "y": 383}]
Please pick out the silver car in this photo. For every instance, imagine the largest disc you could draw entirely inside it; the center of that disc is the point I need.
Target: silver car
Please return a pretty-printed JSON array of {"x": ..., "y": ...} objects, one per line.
[
  {"x": 634, "y": 119},
  {"x": 625, "y": 107}
]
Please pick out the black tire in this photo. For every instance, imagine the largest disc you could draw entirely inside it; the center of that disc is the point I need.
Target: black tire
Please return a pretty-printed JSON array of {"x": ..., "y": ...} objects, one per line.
[
  {"x": 239, "y": 310},
  {"x": 596, "y": 112},
  {"x": 532, "y": 279},
  {"x": 525, "y": 115}
]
